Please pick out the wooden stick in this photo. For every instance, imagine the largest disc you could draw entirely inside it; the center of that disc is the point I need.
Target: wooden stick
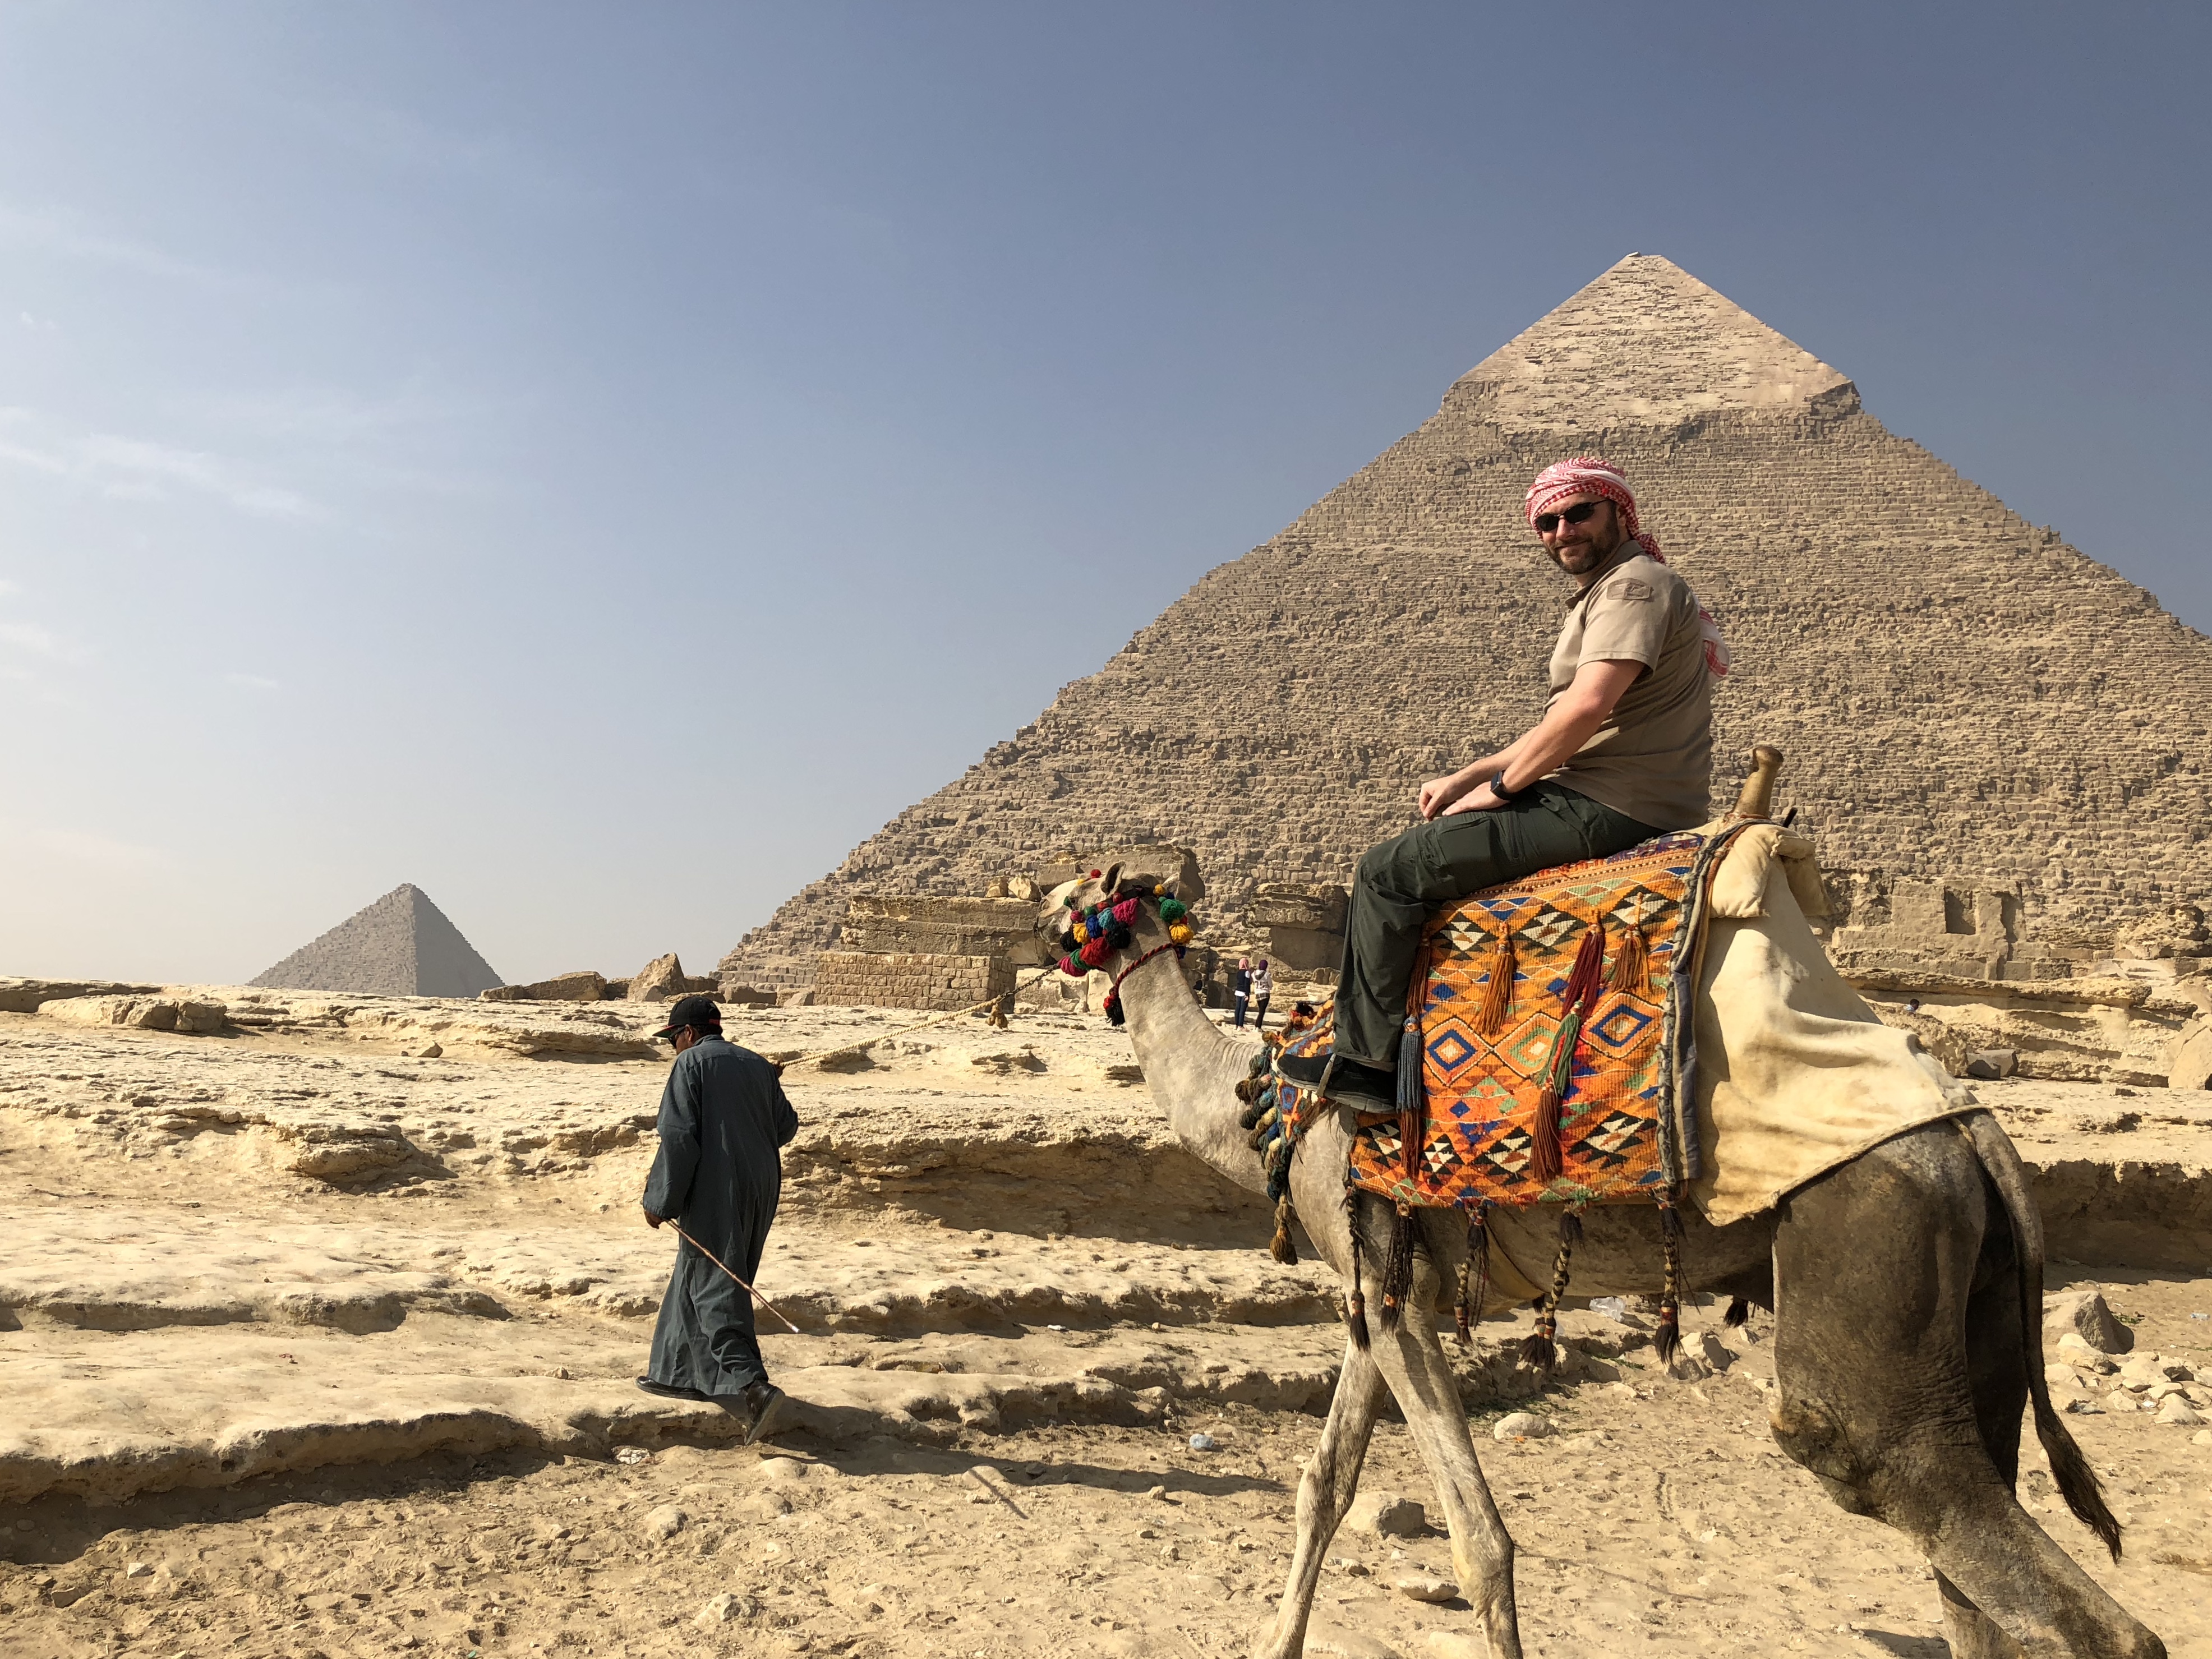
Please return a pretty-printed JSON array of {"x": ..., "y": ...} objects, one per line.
[{"x": 724, "y": 1267}]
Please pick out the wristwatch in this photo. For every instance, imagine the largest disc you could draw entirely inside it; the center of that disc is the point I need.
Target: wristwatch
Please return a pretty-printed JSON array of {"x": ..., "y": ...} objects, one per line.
[{"x": 1498, "y": 785}]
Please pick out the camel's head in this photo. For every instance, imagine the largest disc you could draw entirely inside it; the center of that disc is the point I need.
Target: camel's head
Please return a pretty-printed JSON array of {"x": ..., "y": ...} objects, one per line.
[{"x": 1106, "y": 920}]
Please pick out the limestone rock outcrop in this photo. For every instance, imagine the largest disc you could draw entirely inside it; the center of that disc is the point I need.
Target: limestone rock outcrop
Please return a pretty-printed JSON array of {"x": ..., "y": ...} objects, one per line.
[
  {"x": 28, "y": 996},
  {"x": 585, "y": 985},
  {"x": 1962, "y": 696},
  {"x": 663, "y": 980}
]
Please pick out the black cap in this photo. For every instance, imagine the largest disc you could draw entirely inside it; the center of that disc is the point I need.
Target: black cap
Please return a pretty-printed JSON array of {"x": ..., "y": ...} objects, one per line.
[{"x": 692, "y": 1010}]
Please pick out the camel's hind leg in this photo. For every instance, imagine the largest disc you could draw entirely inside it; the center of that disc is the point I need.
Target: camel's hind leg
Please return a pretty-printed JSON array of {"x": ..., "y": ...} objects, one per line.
[
  {"x": 1875, "y": 1265},
  {"x": 1325, "y": 1492},
  {"x": 1996, "y": 1351}
]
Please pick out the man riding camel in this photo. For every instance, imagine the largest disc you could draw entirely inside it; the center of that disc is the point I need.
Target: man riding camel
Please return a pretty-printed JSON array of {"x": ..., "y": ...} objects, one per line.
[{"x": 1624, "y": 753}]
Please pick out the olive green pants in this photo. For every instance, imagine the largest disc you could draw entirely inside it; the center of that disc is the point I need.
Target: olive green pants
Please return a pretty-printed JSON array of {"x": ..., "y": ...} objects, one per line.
[{"x": 1401, "y": 883}]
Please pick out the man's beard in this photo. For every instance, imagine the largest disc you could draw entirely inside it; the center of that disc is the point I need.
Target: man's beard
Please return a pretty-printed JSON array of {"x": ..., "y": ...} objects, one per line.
[{"x": 1588, "y": 555}]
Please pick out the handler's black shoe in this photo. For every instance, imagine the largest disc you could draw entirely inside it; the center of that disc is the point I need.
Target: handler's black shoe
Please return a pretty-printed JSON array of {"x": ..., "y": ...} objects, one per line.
[
  {"x": 1362, "y": 1088},
  {"x": 770, "y": 1409},
  {"x": 668, "y": 1391}
]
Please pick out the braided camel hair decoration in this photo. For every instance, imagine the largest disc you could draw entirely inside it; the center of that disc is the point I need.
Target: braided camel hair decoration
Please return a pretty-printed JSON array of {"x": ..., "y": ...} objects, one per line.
[{"x": 1879, "y": 1328}]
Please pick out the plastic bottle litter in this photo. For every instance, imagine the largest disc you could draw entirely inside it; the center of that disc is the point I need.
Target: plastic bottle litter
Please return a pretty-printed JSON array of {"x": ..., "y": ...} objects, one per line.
[{"x": 1204, "y": 1442}]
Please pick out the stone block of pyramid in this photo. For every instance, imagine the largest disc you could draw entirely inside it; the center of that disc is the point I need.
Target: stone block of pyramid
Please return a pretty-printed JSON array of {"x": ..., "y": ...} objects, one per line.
[
  {"x": 1963, "y": 697},
  {"x": 401, "y": 946}
]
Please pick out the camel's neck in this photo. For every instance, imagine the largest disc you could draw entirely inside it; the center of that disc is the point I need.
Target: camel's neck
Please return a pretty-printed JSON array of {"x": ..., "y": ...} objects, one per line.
[{"x": 1191, "y": 1065}]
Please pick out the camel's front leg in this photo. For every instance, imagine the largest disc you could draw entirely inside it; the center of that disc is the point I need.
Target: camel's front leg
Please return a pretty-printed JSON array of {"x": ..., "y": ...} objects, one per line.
[
  {"x": 1413, "y": 1365},
  {"x": 1324, "y": 1491}
]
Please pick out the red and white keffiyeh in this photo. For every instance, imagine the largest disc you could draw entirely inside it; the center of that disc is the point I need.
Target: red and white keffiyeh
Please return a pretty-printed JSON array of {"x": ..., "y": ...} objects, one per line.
[{"x": 1588, "y": 475}]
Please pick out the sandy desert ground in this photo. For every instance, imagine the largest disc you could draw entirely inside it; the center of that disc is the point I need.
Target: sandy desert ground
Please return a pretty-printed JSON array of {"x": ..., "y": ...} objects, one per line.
[{"x": 317, "y": 1329}]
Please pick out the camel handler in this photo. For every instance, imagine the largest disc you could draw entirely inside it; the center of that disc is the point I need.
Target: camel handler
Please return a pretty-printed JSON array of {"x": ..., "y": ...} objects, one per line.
[
  {"x": 1624, "y": 753},
  {"x": 718, "y": 1175}
]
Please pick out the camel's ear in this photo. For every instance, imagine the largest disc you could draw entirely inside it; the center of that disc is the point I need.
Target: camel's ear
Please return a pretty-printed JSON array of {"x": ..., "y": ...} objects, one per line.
[{"x": 1113, "y": 877}]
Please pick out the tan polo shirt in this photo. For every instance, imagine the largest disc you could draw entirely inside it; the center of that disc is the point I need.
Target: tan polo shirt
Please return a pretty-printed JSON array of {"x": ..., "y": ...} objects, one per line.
[{"x": 1653, "y": 757}]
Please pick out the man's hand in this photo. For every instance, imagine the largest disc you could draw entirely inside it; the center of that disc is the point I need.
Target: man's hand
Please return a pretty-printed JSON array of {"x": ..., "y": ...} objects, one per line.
[
  {"x": 1437, "y": 794},
  {"x": 651, "y": 1220},
  {"x": 1481, "y": 798}
]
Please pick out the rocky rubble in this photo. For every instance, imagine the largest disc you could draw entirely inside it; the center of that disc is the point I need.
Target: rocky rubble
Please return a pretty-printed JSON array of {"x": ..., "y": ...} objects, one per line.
[{"x": 1029, "y": 1321}]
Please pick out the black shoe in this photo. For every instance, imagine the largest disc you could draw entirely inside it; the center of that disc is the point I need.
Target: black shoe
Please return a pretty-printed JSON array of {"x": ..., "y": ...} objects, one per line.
[
  {"x": 1362, "y": 1088},
  {"x": 670, "y": 1391},
  {"x": 770, "y": 1409}
]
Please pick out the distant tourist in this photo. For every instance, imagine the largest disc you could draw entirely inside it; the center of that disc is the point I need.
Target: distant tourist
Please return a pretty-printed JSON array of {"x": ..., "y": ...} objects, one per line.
[
  {"x": 1263, "y": 987},
  {"x": 1239, "y": 988},
  {"x": 718, "y": 1175},
  {"x": 1625, "y": 751}
]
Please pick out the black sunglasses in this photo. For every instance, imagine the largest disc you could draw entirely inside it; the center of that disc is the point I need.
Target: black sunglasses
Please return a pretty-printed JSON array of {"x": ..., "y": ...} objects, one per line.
[{"x": 1580, "y": 513}]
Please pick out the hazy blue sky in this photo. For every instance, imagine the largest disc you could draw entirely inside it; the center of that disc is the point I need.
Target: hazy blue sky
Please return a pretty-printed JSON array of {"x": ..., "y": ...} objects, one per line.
[{"x": 599, "y": 463}]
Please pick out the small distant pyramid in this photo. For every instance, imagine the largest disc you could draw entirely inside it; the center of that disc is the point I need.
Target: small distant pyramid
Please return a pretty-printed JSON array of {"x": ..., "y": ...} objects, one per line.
[{"x": 401, "y": 946}]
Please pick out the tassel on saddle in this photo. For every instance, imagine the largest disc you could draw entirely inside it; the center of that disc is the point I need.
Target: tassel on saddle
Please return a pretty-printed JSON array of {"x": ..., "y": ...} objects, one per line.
[
  {"x": 1398, "y": 1267},
  {"x": 1541, "y": 1349},
  {"x": 1545, "y": 1160},
  {"x": 1355, "y": 1304},
  {"x": 1498, "y": 996},
  {"x": 1667, "y": 1341},
  {"x": 1631, "y": 968},
  {"x": 1474, "y": 1279}
]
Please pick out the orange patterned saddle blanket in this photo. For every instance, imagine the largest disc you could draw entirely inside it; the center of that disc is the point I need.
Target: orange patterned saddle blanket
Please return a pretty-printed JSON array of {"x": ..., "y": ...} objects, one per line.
[{"x": 1549, "y": 1055}]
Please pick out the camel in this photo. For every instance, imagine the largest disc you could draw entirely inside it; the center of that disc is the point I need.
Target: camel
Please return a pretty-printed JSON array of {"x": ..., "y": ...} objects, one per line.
[{"x": 1906, "y": 1288}]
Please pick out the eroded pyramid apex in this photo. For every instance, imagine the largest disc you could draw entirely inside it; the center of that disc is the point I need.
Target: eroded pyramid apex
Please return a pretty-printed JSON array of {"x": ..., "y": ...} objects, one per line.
[{"x": 1647, "y": 344}]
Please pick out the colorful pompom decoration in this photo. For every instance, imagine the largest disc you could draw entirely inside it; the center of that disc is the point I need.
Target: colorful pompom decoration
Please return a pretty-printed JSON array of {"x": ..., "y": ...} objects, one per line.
[{"x": 1097, "y": 931}]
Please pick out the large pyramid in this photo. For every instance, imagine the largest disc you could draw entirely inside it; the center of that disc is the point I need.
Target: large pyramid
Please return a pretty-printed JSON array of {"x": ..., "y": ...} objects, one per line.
[
  {"x": 401, "y": 946},
  {"x": 1962, "y": 696}
]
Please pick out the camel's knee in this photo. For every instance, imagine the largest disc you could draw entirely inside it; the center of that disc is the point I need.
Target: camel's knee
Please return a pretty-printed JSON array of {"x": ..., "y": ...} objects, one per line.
[
  {"x": 1812, "y": 1433},
  {"x": 1971, "y": 1632}
]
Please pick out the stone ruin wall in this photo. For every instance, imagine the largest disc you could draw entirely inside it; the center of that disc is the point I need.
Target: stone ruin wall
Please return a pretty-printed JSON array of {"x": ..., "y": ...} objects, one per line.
[
  {"x": 888, "y": 923},
  {"x": 1961, "y": 696},
  {"x": 922, "y": 980}
]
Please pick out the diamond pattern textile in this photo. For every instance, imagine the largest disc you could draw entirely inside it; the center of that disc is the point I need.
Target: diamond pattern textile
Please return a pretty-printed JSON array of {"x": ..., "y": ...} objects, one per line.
[{"x": 1473, "y": 1116}]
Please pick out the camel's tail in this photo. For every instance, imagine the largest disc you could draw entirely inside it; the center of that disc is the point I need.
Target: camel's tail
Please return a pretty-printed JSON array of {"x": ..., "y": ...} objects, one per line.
[{"x": 2078, "y": 1482}]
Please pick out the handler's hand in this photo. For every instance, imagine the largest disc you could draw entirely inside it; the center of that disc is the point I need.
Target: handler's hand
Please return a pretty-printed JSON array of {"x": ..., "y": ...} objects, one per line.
[
  {"x": 1438, "y": 793},
  {"x": 651, "y": 1220},
  {"x": 1478, "y": 800}
]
